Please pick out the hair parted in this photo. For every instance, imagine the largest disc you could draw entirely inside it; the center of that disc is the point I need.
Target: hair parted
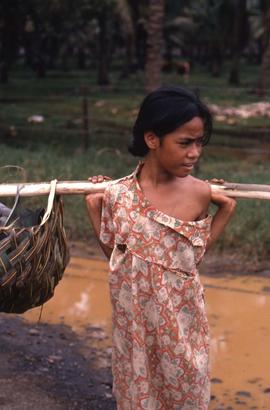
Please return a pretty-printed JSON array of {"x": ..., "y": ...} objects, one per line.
[{"x": 163, "y": 111}]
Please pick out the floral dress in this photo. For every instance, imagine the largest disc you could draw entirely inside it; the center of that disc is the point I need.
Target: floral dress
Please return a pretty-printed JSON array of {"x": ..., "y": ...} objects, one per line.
[{"x": 160, "y": 329}]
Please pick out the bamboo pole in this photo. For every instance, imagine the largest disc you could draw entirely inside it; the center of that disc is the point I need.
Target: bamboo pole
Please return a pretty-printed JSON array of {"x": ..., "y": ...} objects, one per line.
[
  {"x": 251, "y": 191},
  {"x": 241, "y": 193}
]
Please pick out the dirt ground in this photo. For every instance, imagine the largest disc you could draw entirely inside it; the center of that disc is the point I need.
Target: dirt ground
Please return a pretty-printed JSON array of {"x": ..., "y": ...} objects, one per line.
[{"x": 47, "y": 366}]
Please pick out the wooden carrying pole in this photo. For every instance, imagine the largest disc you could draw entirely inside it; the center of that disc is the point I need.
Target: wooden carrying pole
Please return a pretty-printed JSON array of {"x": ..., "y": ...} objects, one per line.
[{"x": 251, "y": 191}]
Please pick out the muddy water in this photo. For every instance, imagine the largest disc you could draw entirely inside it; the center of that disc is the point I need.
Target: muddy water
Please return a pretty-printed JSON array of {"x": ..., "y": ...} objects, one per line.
[
  {"x": 239, "y": 315},
  {"x": 80, "y": 299}
]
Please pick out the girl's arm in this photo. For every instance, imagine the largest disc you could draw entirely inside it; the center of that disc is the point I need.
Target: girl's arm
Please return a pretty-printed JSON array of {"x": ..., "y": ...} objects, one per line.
[
  {"x": 226, "y": 207},
  {"x": 94, "y": 208}
]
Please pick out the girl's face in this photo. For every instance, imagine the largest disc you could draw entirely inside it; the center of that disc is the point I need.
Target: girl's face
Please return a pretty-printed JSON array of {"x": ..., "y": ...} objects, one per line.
[{"x": 177, "y": 152}]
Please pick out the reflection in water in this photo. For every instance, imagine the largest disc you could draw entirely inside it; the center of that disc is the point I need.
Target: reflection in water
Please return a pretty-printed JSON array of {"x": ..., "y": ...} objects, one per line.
[
  {"x": 261, "y": 300},
  {"x": 238, "y": 310},
  {"x": 81, "y": 298},
  {"x": 81, "y": 307}
]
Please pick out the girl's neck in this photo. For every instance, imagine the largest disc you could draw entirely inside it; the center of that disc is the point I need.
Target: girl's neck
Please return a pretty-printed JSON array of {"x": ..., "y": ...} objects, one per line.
[{"x": 153, "y": 174}]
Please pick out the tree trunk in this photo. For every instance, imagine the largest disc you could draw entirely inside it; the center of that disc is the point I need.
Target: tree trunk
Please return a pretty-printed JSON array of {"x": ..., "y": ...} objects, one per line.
[
  {"x": 40, "y": 67},
  {"x": 265, "y": 67},
  {"x": 9, "y": 34},
  {"x": 140, "y": 44},
  {"x": 103, "y": 66},
  {"x": 35, "y": 47},
  {"x": 234, "y": 78},
  {"x": 154, "y": 44},
  {"x": 216, "y": 61},
  {"x": 81, "y": 64},
  {"x": 129, "y": 57},
  {"x": 139, "y": 32},
  {"x": 239, "y": 39},
  {"x": 125, "y": 17}
]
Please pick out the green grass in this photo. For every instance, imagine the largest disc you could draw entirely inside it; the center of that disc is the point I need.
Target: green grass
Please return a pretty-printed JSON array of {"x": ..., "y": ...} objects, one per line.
[
  {"x": 53, "y": 149},
  {"x": 58, "y": 98},
  {"x": 248, "y": 233},
  {"x": 47, "y": 164}
]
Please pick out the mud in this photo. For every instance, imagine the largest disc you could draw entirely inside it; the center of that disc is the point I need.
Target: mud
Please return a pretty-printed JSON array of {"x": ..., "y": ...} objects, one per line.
[
  {"x": 63, "y": 362},
  {"x": 48, "y": 367}
]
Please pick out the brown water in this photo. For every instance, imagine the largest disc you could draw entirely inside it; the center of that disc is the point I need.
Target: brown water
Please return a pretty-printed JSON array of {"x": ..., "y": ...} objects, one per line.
[
  {"x": 81, "y": 298},
  {"x": 239, "y": 315}
]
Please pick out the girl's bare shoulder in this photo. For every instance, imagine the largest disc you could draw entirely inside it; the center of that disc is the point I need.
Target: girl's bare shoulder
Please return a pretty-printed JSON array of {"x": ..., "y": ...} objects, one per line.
[{"x": 201, "y": 188}]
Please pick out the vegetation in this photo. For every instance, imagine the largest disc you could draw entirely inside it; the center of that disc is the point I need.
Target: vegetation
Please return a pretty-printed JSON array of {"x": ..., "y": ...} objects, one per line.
[
  {"x": 53, "y": 148},
  {"x": 248, "y": 232},
  {"x": 136, "y": 35},
  {"x": 83, "y": 69},
  {"x": 155, "y": 43}
]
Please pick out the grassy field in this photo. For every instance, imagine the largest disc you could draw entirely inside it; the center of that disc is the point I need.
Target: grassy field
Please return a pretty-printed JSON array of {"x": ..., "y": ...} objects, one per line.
[{"x": 53, "y": 149}]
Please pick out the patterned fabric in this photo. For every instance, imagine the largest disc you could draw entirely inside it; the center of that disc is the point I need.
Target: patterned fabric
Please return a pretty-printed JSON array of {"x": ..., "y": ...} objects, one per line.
[{"x": 160, "y": 329}]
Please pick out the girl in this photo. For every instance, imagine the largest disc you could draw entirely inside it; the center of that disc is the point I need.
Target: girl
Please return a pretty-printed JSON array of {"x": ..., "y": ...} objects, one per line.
[{"x": 154, "y": 228}]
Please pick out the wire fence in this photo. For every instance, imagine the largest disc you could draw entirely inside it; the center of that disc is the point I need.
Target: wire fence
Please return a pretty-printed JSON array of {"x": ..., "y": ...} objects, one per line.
[{"x": 81, "y": 127}]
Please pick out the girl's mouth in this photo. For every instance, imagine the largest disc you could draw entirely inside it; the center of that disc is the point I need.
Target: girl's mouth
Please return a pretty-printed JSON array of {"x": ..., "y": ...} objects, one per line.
[{"x": 190, "y": 165}]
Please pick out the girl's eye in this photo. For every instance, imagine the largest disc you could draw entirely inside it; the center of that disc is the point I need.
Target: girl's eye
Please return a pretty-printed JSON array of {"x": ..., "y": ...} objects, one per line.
[
  {"x": 185, "y": 143},
  {"x": 199, "y": 141}
]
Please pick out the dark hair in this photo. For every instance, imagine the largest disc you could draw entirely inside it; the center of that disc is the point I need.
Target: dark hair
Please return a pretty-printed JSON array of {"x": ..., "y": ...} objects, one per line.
[{"x": 163, "y": 111}]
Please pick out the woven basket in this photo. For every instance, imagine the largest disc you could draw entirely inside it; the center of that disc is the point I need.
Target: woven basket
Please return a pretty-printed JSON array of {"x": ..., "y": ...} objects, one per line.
[{"x": 33, "y": 259}]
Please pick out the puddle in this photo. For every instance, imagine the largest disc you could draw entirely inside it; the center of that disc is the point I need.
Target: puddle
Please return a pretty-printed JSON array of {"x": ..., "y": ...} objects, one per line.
[
  {"x": 239, "y": 315},
  {"x": 80, "y": 299}
]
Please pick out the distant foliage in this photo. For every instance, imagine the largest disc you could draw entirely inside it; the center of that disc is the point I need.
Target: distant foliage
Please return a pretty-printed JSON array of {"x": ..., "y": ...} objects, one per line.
[{"x": 105, "y": 35}]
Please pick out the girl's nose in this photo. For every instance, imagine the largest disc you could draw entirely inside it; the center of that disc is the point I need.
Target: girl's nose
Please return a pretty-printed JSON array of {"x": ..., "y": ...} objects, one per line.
[{"x": 194, "y": 151}]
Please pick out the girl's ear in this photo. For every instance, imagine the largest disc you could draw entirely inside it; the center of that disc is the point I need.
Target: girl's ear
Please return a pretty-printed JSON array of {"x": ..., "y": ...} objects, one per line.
[{"x": 151, "y": 140}]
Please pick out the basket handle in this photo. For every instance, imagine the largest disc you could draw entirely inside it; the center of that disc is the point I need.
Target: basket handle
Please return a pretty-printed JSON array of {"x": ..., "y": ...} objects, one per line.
[
  {"x": 17, "y": 198},
  {"x": 50, "y": 202},
  {"x": 16, "y": 202}
]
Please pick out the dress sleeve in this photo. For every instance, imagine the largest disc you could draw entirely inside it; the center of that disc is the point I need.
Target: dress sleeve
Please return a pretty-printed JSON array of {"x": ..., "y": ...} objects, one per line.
[{"x": 107, "y": 231}]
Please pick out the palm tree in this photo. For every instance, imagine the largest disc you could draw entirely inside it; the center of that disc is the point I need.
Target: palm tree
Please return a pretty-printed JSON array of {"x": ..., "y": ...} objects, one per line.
[
  {"x": 265, "y": 67},
  {"x": 154, "y": 44},
  {"x": 9, "y": 35},
  {"x": 239, "y": 37},
  {"x": 124, "y": 15}
]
